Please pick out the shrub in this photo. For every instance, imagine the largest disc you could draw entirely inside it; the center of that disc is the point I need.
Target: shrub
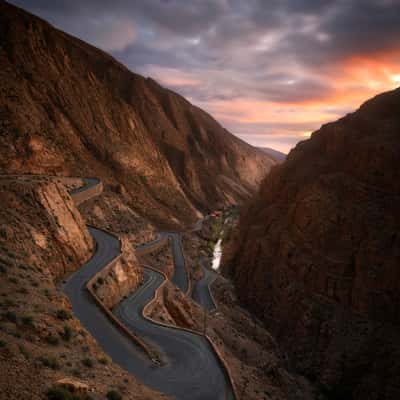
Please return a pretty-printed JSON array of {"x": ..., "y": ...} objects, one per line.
[
  {"x": 59, "y": 393},
  {"x": 63, "y": 314},
  {"x": 100, "y": 280},
  {"x": 11, "y": 316},
  {"x": 87, "y": 362},
  {"x": 27, "y": 320},
  {"x": 66, "y": 334},
  {"x": 103, "y": 361},
  {"x": 75, "y": 372},
  {"x": 50, "y": 362},
  {"x": 114, "y": 395},
  {"x": 53, "y": 340}
]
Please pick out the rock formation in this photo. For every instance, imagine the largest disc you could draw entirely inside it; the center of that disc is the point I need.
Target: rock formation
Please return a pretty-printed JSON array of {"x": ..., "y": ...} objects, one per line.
[
  {"x": 317, "y": 253},
  {"x": 67, "y": 108},
  {"x": 39, "y": 221},
  {"x": 42, "y": 238}
]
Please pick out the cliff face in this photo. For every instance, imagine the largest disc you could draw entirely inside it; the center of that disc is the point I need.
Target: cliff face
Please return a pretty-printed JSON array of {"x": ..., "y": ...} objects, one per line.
[
  {"x": 42, "y": 237},
  {"x": 69, "y": 108},
  {"x": 39, "y": 220},
  {"x": 120, "y": 278},
  {"x": 317, "y": 253}
]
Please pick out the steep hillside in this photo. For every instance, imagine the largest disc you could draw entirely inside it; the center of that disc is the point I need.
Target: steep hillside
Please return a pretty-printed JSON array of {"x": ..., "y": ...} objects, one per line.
[
  {"x": 42, "y": 238},
  {"x": 317, "y": 254},
  {"x": 275, "y": 154},
  {"x": 68, "y": 108}
]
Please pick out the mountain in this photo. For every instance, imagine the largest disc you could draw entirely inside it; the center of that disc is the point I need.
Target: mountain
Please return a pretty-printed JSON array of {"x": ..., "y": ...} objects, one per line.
[
  {"x": 316, "y": 255},
  {"x": 275, "y": 154},
  {"x": 67, "y": 108}
]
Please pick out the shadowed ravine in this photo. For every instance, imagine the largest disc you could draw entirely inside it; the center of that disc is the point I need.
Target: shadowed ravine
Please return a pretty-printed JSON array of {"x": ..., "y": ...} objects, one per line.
[{"x": 193, "y": 370}]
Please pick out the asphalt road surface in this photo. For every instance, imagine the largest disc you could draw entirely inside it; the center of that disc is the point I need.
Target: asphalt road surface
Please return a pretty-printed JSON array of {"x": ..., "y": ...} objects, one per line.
[
  {"x": 193, "y": 370},
  {"x": 89, "y": 182},
  {"x": 201, "y": 292}
]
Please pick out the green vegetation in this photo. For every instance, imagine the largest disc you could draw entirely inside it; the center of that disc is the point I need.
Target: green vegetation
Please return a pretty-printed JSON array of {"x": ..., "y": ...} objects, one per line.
[
  {"x": 103, "y": 361},
  {"x": 50, "y": 362},
  {"x": 52, "y": 339},
  {"x": 11, "y": 316},
  {"x": 63, "y": 315},
  {"x": 87, "y": 362},
  {"x": 75, "y": 372},
  {"x": 67, "y": 333},
  {"x": 23, "y": 290},
  {"x": 114, "y": 395},
  {"x": 58, "y": 393},
  {"x": 100, "y": 280},
  {"x": 27, "y": 320}
]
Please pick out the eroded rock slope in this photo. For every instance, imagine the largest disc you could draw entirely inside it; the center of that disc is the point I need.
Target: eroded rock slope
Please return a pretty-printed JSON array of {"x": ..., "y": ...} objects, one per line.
[
  {"x": 317, "y": 253},
  {"x": 68, "y": 108}
]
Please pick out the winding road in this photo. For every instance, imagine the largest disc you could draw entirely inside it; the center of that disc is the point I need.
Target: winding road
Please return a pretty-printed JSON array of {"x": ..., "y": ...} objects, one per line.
[
  {"x": 201, "y": 292},
  {"x": 193, "y": 370}
]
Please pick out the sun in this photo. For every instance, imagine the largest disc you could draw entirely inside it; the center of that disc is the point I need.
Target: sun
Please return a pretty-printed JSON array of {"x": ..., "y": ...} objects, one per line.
[{"x": 395, "y": 78}]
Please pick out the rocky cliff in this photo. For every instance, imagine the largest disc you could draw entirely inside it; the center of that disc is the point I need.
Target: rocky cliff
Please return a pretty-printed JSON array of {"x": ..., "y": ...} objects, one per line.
[
  {"x": 119, "y": 278},
  {"x": 42, "y": 237},
  {"x": 67, "y": 108},
  {"x": 39, "y": 221},
  {"x": 317, "y": 253}
]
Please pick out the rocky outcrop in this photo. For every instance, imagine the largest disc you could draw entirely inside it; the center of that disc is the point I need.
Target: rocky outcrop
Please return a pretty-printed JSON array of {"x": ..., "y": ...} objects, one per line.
[
  {"x": 67, "y": 108},
  {"x": 40, "y": 219},
  {"x": 119, "y": 278},
  {"x": 42, "y": 237},
  {"x": 316, "y": 254}
]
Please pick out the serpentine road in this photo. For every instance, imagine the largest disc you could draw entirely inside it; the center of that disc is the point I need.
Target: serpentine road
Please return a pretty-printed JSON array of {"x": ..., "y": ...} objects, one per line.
[
  {"x": 201, "y": 292},
  {"x": 193, "y": 370}
]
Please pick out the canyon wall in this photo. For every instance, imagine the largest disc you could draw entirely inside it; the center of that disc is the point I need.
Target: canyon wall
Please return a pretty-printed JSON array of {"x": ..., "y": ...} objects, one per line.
[
  {"x": 39, "y": 220},
  {"x": 120, "y": 278},
  {"x": 42, "y": 238},
  {"x": 67, "y": 108},
  {"x": 316, "y": 254}
]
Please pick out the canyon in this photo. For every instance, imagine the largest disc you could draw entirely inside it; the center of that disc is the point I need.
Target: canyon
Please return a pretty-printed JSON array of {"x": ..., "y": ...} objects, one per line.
[
  {"x": 316, "y": 254},
  {"x": 117, "y": 195},
  {"x": 68, "y": 108}
]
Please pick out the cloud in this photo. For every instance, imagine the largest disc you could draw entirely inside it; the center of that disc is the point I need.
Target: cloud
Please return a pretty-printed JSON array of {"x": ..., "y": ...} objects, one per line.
[
  {"x": 108, "y": 33},
  {"x": 280, "y": 67}
]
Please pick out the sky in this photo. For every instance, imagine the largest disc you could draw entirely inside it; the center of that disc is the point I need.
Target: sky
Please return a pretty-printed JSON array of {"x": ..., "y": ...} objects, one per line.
[{"x": 271, "y": 71}]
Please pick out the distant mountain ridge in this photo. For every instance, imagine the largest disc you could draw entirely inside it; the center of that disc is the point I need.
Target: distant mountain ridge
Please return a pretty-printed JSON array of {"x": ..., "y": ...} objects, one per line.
[
  {"x": 68, "y": 108},
  {"x": 275, "y": 154}
]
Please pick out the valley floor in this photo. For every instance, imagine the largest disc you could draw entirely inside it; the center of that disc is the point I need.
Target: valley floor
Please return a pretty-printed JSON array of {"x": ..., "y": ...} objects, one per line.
[{"x": 187, "y": 294}]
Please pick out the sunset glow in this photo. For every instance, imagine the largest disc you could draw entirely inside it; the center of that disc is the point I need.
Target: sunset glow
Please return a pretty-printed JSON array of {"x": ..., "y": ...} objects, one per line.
[{"x": 270, "y": 74}]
